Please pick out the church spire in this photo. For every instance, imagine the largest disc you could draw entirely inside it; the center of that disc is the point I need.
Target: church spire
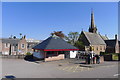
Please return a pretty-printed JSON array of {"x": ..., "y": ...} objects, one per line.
[
  {"x": 92, "y": 27},
  {"x": 92, "y": 20}
]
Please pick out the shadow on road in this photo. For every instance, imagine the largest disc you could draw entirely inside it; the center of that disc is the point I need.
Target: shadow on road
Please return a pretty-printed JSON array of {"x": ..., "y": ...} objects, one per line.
[{"x": 29, "y": 58}]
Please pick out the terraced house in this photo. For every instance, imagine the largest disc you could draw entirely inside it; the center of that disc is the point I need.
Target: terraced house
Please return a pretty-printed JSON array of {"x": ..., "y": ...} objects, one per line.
[{"x": 16, "y": 46}]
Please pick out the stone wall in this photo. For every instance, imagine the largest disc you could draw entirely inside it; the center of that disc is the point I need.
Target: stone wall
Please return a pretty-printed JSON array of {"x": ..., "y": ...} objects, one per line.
[
  {"x": 53, "y": 58},
  {"x": 107, "y": 57}
]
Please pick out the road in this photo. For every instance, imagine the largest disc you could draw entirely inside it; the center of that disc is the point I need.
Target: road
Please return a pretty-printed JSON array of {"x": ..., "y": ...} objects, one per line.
[{"x": 57, "y": 69}]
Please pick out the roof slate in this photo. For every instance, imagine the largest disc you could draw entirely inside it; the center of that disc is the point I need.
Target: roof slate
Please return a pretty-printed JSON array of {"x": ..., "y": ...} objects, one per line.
[
  {"x": 11, "y": 41},
  {"x": 110, "y": 43},
  {"x": 104, "y": 37},
  {"x": 94, "y": 39},
  {"x": 54, "y": 43}
]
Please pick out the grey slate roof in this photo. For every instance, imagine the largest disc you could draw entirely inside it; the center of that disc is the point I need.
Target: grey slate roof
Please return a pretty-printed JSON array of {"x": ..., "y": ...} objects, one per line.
[
  {"x": 94, "y": 39},
  {"x": 11, "y": 41},
  {"x": 104, "y": 37},
  {"x": 54, "y": 43},
  {"x": 110, "y": 43}
]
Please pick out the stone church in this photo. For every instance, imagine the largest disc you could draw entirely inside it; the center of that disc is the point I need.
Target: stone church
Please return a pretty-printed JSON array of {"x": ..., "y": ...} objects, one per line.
[{"x": 92, "y": 40}]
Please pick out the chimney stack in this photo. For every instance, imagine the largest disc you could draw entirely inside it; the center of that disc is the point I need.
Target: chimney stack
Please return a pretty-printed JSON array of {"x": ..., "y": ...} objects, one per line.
[
  {"x": 116, "y": 37},
  {"x": 24, "y": 36}
]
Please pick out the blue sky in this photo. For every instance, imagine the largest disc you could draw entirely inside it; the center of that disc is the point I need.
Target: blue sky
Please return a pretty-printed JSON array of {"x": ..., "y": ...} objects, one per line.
[{"x": 38, "y": 19}]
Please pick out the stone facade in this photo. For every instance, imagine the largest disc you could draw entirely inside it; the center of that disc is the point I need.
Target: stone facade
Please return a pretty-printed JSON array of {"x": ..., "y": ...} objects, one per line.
[
  {"x": 31, "y": 43},
  {"x": 112, "y": 45},
  {"x": 22, "y": 46},
  {"x": 92, "y": 40},
  {"x": 15, "y": 46},
  {"x": 59, "y": 57},
  {"x": 99, "y": 48}
]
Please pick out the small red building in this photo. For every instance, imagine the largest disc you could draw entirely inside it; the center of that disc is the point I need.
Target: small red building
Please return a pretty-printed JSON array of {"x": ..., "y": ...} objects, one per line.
[{"x": 53, "y": 48}]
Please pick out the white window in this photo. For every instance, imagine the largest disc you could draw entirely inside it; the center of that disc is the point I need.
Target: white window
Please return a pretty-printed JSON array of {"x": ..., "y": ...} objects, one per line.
[
  {"x": 6, "y": 45},
  {"x": 22, "y": 45}
]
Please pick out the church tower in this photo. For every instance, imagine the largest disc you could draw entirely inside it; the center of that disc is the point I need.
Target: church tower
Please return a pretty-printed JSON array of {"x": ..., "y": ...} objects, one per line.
[{"x": 92, "y": 27}]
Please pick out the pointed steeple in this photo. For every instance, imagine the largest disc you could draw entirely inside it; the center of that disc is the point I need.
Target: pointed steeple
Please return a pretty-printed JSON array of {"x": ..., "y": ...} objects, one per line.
[
  {"x": 92, "y": 27},
  {"x": 92, "y": 20}
]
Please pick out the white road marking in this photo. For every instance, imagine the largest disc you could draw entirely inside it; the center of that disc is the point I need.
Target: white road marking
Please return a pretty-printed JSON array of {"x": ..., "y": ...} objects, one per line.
[{"x": 116, "y": 74}]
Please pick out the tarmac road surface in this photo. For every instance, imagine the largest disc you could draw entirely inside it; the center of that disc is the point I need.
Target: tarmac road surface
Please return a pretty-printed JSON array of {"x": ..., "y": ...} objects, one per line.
[{"x": 20, "y": 68}]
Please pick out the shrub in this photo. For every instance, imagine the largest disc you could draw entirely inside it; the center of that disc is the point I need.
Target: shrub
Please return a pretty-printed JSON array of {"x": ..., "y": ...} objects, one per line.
[
  {"x": 104, "y": 53},
  {"x": 115, "y": 56},
  {"x": 28, "y": 53}
]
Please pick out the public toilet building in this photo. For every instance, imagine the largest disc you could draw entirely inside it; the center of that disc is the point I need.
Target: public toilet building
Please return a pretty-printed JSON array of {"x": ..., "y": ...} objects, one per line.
[{"x": 53, "y": 48}]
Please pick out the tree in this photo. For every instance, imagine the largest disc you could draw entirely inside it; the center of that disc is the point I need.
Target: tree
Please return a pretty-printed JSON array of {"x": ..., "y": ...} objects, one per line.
[
  {"x": 58, "y": 33},
  {"x": 80, "y": 45},
  {"x": 72, "y": 37}
]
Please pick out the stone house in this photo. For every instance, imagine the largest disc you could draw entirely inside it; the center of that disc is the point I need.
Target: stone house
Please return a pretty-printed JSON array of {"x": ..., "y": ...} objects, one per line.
[
  {"x": 112, "y": 45},
  {"x": 31, "y": 43},
  {"x": 15, "y": 46}
]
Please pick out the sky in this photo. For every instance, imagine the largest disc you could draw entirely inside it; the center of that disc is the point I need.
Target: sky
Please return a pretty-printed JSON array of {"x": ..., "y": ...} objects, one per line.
[{"x": 38, "y": 19}]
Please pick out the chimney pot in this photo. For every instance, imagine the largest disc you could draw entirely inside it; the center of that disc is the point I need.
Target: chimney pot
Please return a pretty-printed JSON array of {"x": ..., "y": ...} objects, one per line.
[{"x": 116, "y": 36}]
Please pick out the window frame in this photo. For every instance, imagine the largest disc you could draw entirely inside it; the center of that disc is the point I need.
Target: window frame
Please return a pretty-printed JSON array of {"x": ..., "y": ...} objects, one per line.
[{"x": 22, "y": 46}]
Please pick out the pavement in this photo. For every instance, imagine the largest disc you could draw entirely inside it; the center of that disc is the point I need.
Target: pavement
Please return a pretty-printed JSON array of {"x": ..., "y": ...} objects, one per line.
[{"x": 68, "y": 68}]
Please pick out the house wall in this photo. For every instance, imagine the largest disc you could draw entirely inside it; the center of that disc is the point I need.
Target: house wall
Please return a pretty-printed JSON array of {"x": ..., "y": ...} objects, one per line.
[
  {"x": 113, "y": 49},
  {"x": 30, "y": 46},
  {"x": 22, "y": 50},
  {"x": 73, "y": 54},
  {"x": 0, "y": 45},
  {"x": 84, "y": 39},
  {"x": 5, "y": 49},
  {"x": 117, "y": 47},
  {"x": 13, "y": 51},
  {"x": 110, "y": 50},
  {"x": 98, "y": 48},
  {"x": 16, "y": 50}
]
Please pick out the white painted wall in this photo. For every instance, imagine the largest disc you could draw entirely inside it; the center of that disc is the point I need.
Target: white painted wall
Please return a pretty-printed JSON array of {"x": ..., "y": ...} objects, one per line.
[
  {"x": 39, "y": 54},
  {"x": 73, "y": 54},
  {"x": 5, "y": 53}
]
